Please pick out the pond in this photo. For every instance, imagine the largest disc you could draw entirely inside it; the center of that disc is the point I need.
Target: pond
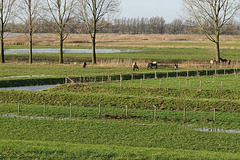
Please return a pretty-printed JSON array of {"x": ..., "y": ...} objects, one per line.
[
  {"x": 217, "y": 130},
  {"x": 30, "y": 88},
  {"x": 56, "y": 50},
  {"x": 26, "y": 76}
]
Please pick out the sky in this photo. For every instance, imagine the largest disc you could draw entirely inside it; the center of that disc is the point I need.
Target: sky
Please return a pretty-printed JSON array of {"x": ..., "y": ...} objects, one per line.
[{"x": 168, "y": 9}]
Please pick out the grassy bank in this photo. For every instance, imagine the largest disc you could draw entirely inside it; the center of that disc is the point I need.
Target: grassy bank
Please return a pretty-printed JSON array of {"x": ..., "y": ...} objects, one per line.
[
  {"x": 108, "y": 133},
  {"x": 135, "y": 98},
  {"x": 21, "y": 149},
  {"x": 224, "y": 120},
  {"x": 162, "y": 55}
]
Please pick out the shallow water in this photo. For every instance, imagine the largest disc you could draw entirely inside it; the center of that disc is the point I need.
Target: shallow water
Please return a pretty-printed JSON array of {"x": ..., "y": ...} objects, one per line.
[
  {"x": 29, "y": 88},
  {"x": 26, "y": 76},
  {"x": 37, "y": 117},
  {"x": 55, "y": 50},
  {"x": 217, "y": 130}
]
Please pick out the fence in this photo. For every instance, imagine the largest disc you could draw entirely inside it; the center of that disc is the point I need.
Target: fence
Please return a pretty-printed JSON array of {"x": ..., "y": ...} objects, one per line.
[
  {"x": 137, "y": 75},
  {"x": 126, "y": 112}
]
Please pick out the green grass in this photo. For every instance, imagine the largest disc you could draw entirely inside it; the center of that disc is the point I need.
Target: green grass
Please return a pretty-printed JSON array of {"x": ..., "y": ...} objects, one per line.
[
  {"x": 22, "y": 149},
  {"x": 109, "y": 139},
  {"x": 173, "y": 55},
  {"x": 58, "y": 70},
  {"x": 219, "y": 82},
  {"x": 198, "y": 118}
]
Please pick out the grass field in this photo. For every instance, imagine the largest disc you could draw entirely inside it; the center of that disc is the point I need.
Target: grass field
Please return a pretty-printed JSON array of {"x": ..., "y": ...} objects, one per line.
[
  {"x": 163, "y": 48},
  {"x": 220, "y": 82},
  {"x": 110, "y": 139},
  {"x": 58, "y": 131}
]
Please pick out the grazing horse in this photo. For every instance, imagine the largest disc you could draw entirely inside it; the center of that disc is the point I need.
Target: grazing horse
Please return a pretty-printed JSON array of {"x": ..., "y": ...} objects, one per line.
[
  {"x": 223, "y": 60},
  {"x": 176, "y": 66},
  {"x": 212, "y": 61},
  {"x": 151, "y": 65},
  {"x": 229, "y": 62},
  {"x": 84, "y": 65},
  {"x": 135, "y": 67}
]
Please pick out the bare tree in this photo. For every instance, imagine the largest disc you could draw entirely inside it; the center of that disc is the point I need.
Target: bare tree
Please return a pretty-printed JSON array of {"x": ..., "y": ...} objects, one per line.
[
  {"x": 212, "y": 15},
  {"x": 6, "y": 14},
  {"x": 62, "y": 12},
  {"x": 91, "y": 13},
  {"x": 30, "y": 10}
]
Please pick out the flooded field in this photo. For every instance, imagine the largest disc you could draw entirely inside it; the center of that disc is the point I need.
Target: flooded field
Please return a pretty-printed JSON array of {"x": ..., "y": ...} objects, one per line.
[
  {"x": 55, "y": 50},
  {"x": 217, "y": 130},
  {"x": 30, "y": 88}
]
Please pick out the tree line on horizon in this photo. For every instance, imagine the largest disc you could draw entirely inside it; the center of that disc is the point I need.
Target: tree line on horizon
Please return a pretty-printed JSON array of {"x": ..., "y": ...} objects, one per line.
[{"x": 143, "y": 25}]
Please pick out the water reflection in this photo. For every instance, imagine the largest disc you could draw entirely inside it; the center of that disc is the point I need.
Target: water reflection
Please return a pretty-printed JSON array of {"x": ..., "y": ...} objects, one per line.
[
  {"x": 26, "y": 76},
  {"x": 217, "y": 130},
  {"x": 55, "y": 50},
  {"x": 30, "y": 88}
]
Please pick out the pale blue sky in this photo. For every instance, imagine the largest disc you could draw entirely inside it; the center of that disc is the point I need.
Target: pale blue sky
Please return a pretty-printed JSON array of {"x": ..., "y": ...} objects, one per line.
[{"x": 168, "y": 9}]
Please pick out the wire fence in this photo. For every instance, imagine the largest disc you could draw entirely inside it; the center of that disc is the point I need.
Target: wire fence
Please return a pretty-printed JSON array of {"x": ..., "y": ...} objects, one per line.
[{"x": 126, "y": 112}]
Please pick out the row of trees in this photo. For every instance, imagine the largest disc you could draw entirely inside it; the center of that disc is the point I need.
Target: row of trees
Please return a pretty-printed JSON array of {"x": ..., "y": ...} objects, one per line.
[
  {"x": 154, "y": 25},
  {"x": 210, "y": 17},
  {"x": 59, "y": 14}
]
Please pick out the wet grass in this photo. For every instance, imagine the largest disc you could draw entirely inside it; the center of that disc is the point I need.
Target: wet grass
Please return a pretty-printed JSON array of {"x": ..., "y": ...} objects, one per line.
[{"x": 111, "y": 139}]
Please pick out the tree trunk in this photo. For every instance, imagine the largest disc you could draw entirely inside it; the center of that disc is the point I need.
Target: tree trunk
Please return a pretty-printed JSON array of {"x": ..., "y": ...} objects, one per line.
[
  {"x": 2, "y": 46},
  {"x": 2, "y": 32},
  {"x": 30, "y": 49},
  {"x": 61, "y": 49},
  {"x": 93, "y": 36},
  {"x": 94, "y": 59},
  {"x": 217, "y": 46},
  {"x": 30, "y": 31}
]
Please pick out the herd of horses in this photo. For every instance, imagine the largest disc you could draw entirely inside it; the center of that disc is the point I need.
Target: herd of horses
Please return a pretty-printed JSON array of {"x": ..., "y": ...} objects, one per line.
[
  {"x": 149, "y": 66},
  {"x": 221, "y": 60},
  {"x": 154, "y": 64}
]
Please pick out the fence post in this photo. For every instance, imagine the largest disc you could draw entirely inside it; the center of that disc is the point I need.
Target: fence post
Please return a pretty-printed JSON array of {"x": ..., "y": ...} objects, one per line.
[
  {"x": 214, "y": 78},
  {"x": 65, "y": 79},
  {"x": 44, "y": 108},
  {"x": 206, "y": 71},
  {"x": 144, "y": 75},
  {"x": 179, "y": 84},
  {"x": 155, "y": 75},
  {"x": 155, "y": 112},
  {"x": 160, "y": 83},
  {"x": 70, "y": 109},
  {"x": 184, "y": 113},
  {"x": 99, "y": 111},
  {"x": 120, "y": 80},
  {"x": 187, "y": 73},
  {"x": 80, "y": 79},
  {"x": 132, "y": 76},
  {"x": 167, "y": 74},
  {"x": 126, "y": 111},
  {"x": 19, "y": 107},
  {"x": 214, "y": 114},
  {"x": 200, "y": 84}
]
